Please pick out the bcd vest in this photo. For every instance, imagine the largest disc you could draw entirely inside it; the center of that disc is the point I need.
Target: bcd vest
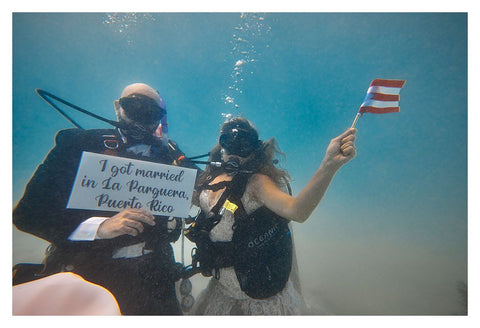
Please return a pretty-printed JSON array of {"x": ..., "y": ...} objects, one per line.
[{"x": 261, "y": 246}]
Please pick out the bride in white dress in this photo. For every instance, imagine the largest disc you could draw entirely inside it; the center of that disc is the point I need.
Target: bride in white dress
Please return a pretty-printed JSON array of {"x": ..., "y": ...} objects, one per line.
[{"x": 239, "y": 140}]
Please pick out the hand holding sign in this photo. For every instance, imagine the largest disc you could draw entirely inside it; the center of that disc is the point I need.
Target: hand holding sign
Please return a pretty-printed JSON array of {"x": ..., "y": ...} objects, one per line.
[{"x": 127, "y": 222}]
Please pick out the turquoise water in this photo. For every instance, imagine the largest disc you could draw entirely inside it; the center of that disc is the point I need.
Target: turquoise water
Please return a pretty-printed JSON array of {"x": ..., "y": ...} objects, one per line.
[{"x": 390, "y": 236}]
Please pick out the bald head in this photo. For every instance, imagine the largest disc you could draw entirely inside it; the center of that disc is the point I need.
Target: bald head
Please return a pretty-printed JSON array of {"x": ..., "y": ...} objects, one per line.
[{"x": 145, "y": 90}]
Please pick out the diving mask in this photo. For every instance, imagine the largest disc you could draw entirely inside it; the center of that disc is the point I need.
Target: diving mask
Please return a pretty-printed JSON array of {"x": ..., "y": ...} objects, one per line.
[
  {"x": 238, "y": 141},
  {"x": 142, "y": 109}
]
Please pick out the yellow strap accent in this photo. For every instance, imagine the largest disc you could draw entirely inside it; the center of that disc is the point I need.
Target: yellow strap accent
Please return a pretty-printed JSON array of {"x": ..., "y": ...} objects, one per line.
[{"x": 229, "y": 206}]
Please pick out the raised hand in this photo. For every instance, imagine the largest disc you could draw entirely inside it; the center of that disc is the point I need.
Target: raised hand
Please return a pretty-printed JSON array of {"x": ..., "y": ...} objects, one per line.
[{"x": 341, "y": 149}]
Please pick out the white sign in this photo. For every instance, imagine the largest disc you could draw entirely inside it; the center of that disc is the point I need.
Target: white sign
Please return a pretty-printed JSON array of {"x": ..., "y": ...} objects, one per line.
[{"x": 112, "y": 183}]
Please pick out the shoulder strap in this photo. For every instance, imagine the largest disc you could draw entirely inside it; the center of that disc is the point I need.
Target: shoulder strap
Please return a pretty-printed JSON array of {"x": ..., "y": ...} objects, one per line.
[
  {"x": 234, "y": 192},
  {"x": 239, "y": 189},
  {"x": 221, "y": 200}
]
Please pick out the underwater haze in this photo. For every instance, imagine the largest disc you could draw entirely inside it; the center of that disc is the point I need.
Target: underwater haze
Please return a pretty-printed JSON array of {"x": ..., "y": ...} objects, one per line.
[{"x": 390, "y": 236}]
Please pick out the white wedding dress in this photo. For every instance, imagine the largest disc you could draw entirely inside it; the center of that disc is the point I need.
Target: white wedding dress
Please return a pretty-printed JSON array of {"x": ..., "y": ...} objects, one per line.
[{"x": 224, "y": 296}]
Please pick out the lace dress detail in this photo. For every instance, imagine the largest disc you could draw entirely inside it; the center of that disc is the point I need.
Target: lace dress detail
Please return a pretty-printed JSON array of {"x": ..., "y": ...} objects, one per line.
[{"x": 224, "y": 296}]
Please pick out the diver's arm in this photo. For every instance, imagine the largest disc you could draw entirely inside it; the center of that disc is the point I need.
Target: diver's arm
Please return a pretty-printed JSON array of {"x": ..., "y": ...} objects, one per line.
[
  {"x": 340, "y": 150},
  {"x": 42, "y": 209}
]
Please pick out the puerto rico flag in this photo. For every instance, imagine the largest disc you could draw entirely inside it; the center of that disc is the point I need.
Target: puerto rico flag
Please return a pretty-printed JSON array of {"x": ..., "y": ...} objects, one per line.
[{"x": 383, "y": 97}]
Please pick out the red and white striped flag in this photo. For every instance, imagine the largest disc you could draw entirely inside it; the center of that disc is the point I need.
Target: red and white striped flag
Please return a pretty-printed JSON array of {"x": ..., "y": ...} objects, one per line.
[{"x": 383, "y": 97}]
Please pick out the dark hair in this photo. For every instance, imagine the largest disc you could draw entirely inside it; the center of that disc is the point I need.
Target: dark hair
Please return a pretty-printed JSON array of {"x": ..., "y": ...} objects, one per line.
[{"x": 261, "y": 160}]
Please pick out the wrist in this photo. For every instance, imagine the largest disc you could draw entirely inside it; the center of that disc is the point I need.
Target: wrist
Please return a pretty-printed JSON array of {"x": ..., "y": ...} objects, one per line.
[
  {"x": 99, "y": 233},
  {"x": 330, "y": 166}
]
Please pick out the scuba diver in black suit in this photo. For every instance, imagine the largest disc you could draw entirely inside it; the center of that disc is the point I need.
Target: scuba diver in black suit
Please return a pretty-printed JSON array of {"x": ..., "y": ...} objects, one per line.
[{"x": 128, "y": 253}]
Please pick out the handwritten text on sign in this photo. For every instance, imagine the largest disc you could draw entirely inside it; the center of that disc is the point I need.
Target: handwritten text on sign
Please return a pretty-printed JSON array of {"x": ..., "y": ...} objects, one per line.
[{"x": 112, "y": 183}]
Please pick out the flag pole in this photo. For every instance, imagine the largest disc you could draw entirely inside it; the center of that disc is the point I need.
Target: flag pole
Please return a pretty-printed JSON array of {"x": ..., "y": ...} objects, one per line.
[{"x": 355, "y": 120}]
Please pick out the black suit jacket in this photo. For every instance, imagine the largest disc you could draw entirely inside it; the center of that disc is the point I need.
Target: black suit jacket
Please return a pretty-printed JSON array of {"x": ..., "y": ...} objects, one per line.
[
  {"x": 42, "y": 211},
  {"x": 142, "y": 285}
]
